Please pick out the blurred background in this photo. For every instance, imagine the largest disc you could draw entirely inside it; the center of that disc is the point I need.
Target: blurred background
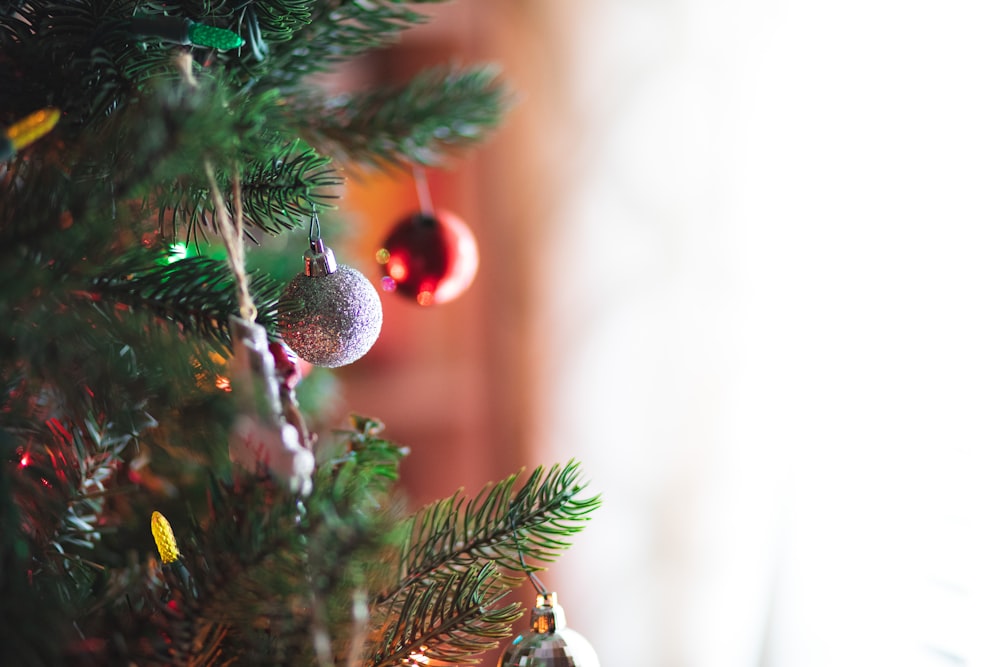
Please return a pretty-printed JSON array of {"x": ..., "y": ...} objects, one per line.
[{"x": 740, "y": 260}]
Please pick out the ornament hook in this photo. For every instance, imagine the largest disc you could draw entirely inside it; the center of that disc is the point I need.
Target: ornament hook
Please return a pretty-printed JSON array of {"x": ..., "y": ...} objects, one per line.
[
  {"x": 549, "y": 643},
  {"x": 423, "y": 191},
  {"x": 319, "y": 261},
  {"x": 314, "y": 225},
  {"x": 536, "y": 583}
]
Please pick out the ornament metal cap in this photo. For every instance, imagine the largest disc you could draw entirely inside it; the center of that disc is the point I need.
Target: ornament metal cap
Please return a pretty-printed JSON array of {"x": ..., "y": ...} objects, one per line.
[
  {"x": 549, "y": 643},
  {"x": 319, "y": 260},
  {"x": 547, "y": 616}
]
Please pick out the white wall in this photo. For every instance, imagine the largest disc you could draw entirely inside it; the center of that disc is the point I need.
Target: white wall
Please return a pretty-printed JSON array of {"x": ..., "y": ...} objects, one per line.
[{"x": 772, "y": 330}]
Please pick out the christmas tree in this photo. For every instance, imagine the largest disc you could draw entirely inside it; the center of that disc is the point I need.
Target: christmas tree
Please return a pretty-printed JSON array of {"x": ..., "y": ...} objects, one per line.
[{"x": 163, "y": 497}]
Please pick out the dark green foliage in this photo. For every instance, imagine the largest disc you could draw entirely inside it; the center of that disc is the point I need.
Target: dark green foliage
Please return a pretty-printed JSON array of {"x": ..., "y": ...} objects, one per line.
[
  {"x": 504, "y": 524},
  {"x": 338, "y": 30},
  {"x": 69, "y": 55},
  {"x": 33, "y": 613},
  {"x": 58, "y": 478},
  {"x": 113, "y": 352},
  {"x": 195, "y": 294},
  {"x": 261, "y": 578},
  {"x": 420, "y": 122},
  {"x": 184, "y": 129},
  {"x": 452, "y": 619},
  {"x": 260, "y": 571},
  {"x": 369, "y": 467},
  {"x": 279, "y": 193},
  {"x": 26, "y": 219}
]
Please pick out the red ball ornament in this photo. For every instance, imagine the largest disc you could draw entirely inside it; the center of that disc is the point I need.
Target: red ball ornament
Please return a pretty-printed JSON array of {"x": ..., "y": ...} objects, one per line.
[{"x": 429, "y": 258}]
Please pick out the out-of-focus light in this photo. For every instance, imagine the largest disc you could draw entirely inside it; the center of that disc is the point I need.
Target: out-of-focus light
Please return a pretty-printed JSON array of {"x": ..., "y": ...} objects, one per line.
[
  {"x": 26, "y": 131},
  {"x": 177, "y": 252},
  {"x": 397, "y": 270},
  {"x": 418, "y": 658}
]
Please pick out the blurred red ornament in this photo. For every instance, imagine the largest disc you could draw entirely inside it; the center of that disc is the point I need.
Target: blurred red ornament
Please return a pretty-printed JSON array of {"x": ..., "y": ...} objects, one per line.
[
  {"x": 288, "y": 366},
  {"x": 431, "y": 259}
]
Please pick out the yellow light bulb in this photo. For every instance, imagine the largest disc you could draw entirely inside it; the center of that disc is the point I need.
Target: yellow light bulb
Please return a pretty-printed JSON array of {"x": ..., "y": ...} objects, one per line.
[
  {"x": 32, "y": 127},
  {"x": 163, "y": 535}
]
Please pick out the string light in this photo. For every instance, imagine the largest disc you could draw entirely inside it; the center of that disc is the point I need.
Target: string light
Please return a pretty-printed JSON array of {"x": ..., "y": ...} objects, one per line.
[
  {"x": 163, "y": 535},
  {"x": 184, "y": 31},
  {"x": 26, "y": 131},
  {"x": 177, "y": 252}
]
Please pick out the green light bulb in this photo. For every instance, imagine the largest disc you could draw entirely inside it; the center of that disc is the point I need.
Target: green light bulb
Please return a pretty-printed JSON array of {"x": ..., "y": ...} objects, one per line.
[{"x": 216, "y": 38}]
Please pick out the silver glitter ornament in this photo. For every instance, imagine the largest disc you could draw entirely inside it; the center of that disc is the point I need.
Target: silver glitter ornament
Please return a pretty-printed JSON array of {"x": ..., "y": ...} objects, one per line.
[
  {"x": 549, "y": 643},
  {"x": 340, "y": 316}
]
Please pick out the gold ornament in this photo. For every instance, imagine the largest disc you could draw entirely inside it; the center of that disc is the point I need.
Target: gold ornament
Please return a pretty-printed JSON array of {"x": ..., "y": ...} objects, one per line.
[{"x": 163, "y": 535}]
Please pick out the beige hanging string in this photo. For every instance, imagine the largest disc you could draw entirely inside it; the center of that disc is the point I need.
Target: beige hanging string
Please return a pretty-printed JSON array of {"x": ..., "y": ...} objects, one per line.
[
  {"x": 230, "y": 227},
  {"x": 231, "y": 230}
]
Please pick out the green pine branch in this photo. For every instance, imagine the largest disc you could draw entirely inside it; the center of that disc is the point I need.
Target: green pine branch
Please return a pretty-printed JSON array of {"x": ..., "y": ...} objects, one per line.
[
  {"x": 364, "y": 475},
  {"x": 277, "y": 194},
  {"x": 31, "y": 224},
  {"x": 362, "y": 26},
  {"x": 182, "y": 128},
  {"x": 194, "y": 294},
  {"x": 59, "y": 339},
  {"x": 236, "y": 582},
  {"x": 268, "y": 572},
  {"x": 82, "y": 57},
  {"x": 66, "y": 54},
  {"x": 438, "y": 112},
  {"x": 265, "y": 22},
  {"x": 98, "y": 447},
  {"x": 338, "y": 30},
  {"x": 450, "y": 620},
  {"x": 503, "y": 524},
  {"x": 101, "y": 328},
  {"x": 163, "y": 623},
  {"x": 32, "y": 613},
  {"x": 65, "y": 477}
]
